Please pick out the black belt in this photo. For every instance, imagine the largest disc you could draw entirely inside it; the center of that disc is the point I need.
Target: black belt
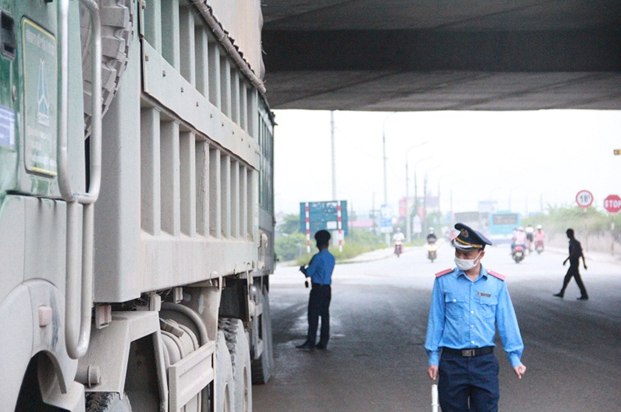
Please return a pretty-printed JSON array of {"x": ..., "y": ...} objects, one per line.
[
  {"x": 320, "y": 285},
  {"x": 468, "y": 353}
]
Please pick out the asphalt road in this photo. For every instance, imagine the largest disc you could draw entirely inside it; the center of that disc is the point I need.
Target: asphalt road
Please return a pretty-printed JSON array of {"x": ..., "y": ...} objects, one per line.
[{"x": 376, "y": 359}]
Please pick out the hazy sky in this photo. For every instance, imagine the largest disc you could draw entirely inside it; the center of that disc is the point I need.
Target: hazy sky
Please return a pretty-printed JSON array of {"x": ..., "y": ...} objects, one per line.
[{"x": 516, "y": 158}]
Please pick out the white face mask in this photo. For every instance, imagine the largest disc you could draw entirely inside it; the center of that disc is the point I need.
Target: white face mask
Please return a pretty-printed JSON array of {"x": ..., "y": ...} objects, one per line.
[{"x": 467, "y": 264}]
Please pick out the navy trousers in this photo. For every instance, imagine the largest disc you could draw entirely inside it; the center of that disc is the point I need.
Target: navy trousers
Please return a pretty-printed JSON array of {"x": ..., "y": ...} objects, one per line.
[
  {"x": 468, "y": 384},
  {"x": 574, "y": 272},
  {"x": 319, "y": 306}
]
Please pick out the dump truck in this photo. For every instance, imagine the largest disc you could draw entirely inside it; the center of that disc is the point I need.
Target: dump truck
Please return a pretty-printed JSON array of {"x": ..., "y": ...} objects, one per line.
[{"x": 136, "y": 205}]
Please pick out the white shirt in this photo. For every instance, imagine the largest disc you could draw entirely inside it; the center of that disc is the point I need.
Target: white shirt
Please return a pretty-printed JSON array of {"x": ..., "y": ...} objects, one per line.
[{"x": 398, "y": 237}]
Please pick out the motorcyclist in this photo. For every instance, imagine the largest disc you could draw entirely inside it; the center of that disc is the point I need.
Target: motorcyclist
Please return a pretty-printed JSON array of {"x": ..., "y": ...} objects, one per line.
[
  {"x": 519, "y": 238},
  {"x": 529, "y": 237},
  {"x": 398, "y": 239},
  {"x": 539, "y": 236},
  {"x": 431, "y": 245},
  {"x": 431, "y": 237}
]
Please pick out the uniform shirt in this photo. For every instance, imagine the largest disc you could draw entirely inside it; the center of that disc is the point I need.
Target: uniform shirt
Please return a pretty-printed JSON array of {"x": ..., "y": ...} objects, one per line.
[
  {"x": 575, "y": 252},
  {"x": 320, "y": 268},
  {"x": 464, "y": 314}
]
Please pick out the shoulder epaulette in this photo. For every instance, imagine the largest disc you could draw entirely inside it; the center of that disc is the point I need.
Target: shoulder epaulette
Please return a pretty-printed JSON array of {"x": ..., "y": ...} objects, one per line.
[
  {"x": 496, "y": 275},
  {"x": 444, "y": 272}
]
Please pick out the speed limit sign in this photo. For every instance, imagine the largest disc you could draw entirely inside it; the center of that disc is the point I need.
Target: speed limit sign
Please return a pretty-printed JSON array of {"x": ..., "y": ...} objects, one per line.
[{"x": 584, "y": 198}]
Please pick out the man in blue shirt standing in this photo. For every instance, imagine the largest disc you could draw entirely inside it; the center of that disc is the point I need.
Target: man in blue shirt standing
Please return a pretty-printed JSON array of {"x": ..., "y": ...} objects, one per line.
[
  {"x": 467, "y": 305},
  {"x": 320, "y": 271}
]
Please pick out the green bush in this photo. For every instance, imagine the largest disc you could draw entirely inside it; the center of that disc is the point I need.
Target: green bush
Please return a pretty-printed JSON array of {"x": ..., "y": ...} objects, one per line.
[
  {"x": 365, "y": 238},
  {"x": 357, "y": 243},
  {"x": 290, "y": 224},
  {"x": 290, "y": 247},
  {"x": 592, "y": 221}
]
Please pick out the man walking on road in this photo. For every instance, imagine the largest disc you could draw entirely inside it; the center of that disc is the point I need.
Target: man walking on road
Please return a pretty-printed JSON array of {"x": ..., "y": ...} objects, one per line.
[
  {"x": 320, "y": 271},
  {"x": 468, "y": 303},
  {"x": 575, "y": 253}
]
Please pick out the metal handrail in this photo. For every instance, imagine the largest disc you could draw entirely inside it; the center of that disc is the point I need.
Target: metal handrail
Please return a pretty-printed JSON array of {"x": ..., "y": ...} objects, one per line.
[
  {"x": 77, "y": 341},
  {"x": 95, "y": 145}
]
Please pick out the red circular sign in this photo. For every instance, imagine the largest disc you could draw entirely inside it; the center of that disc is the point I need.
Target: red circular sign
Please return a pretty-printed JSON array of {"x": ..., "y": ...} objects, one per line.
[
  {"x": 584, "y": 198},
  {"x": 612, "y": 204}
]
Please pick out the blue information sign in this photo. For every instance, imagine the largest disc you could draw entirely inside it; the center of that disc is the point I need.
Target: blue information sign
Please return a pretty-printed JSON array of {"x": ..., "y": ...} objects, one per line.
[{"x": 323, "y": 216}]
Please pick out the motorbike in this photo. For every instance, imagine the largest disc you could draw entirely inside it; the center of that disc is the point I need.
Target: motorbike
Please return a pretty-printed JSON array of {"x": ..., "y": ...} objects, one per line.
[
  {"x": 398, "y": 249},
  {"x": 432, "y": 251},
  {"x": 519, "y": 253},
  {"x": 539, "y": 246}
]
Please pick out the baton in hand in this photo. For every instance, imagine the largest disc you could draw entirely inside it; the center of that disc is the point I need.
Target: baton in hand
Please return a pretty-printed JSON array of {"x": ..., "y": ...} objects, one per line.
[
  {"x": 306, "y": 278},
  {"x": 434, "y": 397}
]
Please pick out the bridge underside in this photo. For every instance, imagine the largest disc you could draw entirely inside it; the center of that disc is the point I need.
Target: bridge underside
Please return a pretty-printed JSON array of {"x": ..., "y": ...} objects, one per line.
[{"x": 540, "y": 55}]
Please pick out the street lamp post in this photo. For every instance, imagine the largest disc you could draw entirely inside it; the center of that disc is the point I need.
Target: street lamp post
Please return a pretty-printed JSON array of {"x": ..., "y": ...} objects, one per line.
[
  {"x": 495, "y": 204},
  {"x": 439, "y": 183},
  {"x": 408, "y": 222},
  {"x": 451, "y": 196},
  {"x": 511, "y": 196},
  {"x": 526, "y": 201},
  {"x": 333, "y": 155},
  {"x": 416, "y": 181},
  {"x": 425, "y": 195},
  {"x": 387, "y": 237}
]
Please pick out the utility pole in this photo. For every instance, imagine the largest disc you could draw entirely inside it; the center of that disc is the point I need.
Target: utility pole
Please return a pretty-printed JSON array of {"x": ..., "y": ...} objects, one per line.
[
  {"x": 408, "y": 223},
  {"x": 333, "y": 155},
  {"x": 408, "y": 217},
  {"x": 425, "y": 204},
  {"x": 387, "y": 236},
  {"x": 384, "y": 157}
]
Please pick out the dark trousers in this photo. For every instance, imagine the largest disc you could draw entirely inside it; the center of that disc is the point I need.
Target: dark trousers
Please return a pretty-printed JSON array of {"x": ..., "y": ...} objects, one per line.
[
  {"x": 574, "y": 272},
  {"x": 319, "y": 305},
  {"x": 468, "y": 384}
]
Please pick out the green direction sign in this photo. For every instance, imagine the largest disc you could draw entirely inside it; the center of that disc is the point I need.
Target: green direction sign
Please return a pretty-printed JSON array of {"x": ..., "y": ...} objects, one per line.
[{"x": 40, "y": 92}]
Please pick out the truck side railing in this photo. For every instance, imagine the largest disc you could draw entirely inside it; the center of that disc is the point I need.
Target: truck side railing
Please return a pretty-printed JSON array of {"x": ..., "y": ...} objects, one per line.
[{"x": 78, "y": 340}]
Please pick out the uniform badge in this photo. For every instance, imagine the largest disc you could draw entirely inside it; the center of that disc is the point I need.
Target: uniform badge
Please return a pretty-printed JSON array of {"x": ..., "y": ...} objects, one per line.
[
  {"x": 464, "y": 233},
  {"x": 485, "y": 295}
]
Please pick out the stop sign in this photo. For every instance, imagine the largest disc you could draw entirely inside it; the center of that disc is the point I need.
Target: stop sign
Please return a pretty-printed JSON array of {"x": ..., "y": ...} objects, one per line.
[{"x": 612, "y": 204}]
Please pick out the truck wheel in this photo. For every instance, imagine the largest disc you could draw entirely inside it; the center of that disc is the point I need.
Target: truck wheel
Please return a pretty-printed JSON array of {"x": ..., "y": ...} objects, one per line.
[
  {"x": 262, "y": 367},
  {"x": 117, "y": 23},
  {"x": 107, "y": 402},
  {"x": 237, "y": 343},
  {"x": 225, "y": 384}
]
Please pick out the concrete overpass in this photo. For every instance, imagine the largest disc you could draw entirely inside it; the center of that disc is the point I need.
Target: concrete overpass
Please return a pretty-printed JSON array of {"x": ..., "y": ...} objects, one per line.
[{"x": 412, "y": 55}]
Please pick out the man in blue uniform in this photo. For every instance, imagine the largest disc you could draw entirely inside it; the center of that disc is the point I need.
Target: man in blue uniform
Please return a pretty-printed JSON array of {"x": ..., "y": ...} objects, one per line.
[
  {"x": 467, "y": 305},
  {"x": 320, "y": 271}
]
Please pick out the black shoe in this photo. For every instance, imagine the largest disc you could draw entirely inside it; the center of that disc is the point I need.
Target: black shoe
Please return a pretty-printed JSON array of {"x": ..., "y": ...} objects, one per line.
[
  {"x": 306, "y": 345},
  {"x": 559, "y": 295},
  {"x": 321, "y": 346},
  {"x": 583, "y": 298}
]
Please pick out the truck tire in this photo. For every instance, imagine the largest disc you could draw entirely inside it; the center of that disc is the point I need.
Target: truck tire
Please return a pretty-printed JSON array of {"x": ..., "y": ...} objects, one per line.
[
  {"x": 224, "y": 382},
  {"x": 117, "y": 23},
  {"x": 238, "y": 347},
  {"x": 107, "y": 402},
  {"x": 262, "y": 366}
]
